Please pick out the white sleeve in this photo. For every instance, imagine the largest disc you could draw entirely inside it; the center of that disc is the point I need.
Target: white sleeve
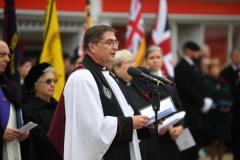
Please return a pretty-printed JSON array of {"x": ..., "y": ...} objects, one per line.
[{"x": 88, "y": 134}]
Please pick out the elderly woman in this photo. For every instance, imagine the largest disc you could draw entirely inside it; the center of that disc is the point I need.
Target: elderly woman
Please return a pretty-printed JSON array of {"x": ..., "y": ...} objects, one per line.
[
  {"x": 132, "y": 92},
  {"x": 39, "y": 107},
  {"x": 123, "y": 60},
  {"x": 166, "y": 148}
]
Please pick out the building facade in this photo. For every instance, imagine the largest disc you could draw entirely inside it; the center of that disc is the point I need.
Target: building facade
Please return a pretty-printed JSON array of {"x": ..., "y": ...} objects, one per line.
[{"x": 214, "y": 22}]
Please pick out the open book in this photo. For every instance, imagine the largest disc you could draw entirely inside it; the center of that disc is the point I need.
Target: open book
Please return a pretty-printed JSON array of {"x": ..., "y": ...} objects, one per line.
[{"x": 166, "y": 108}]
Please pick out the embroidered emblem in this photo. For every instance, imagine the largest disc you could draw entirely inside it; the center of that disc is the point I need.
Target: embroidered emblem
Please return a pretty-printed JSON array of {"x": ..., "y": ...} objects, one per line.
[{"x": 107, "y": 92}]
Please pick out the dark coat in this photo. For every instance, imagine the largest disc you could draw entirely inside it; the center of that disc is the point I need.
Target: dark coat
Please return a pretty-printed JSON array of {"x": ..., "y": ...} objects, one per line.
[
  {"x": 157, "y": 147},
  {"x": 230, "y": 76},
  {"x": 189, "y": 82},
  {"x": 219, "y": 123},
  {"x": 40, "y": 112}
]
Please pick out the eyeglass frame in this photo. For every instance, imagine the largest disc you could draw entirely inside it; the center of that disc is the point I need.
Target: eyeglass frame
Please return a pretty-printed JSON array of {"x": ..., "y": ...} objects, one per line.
[
  {"x": 109, "y": 42},
  {"x": 50, "y": 81}
]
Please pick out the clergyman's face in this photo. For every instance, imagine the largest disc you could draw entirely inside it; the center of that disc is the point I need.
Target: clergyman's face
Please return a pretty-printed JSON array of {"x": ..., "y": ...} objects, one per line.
[
  {"x": 4, "y": 56},
  {"x": 104, "y": 50}
]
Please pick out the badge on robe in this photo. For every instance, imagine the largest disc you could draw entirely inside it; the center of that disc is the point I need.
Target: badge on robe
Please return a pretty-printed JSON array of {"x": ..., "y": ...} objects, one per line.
[{"x": 107, "y": 92}]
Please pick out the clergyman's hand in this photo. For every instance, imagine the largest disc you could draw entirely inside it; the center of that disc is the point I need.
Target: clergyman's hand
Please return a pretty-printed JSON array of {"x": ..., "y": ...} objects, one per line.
[
  {"x": 11, "y": 134},
  {"x": 139, "y": 121},
  {"x": 22, "y": 136}
]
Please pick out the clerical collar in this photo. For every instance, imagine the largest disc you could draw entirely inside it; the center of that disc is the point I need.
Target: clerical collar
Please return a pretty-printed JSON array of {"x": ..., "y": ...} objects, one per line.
[
  {"x": 100, "y": 67},
  {"x": 128, "y": 83},
  {"x": 104, "y": 68}
]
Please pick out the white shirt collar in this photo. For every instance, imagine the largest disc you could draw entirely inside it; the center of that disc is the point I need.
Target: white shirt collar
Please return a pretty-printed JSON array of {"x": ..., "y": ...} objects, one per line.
[
  {"x": 158, "y": 73},
  {"x": 234, "y": 67},
  {"x": 188, "y": 60}
]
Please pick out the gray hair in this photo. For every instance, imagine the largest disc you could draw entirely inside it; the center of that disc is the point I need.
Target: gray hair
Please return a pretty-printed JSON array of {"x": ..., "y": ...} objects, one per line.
[
  {"x": 49, "y": 69},
  {"x": 120, "y": 56},
  {"x": 151, "y": 49}
]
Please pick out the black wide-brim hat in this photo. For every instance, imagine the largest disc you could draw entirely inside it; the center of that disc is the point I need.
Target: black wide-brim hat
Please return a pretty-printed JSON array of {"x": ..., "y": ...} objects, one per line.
[{"x": 34, "y": 74}]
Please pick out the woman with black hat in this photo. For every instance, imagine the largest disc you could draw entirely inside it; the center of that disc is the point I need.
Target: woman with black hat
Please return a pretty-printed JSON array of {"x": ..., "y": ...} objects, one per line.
[{"x": 38, "y": 107}]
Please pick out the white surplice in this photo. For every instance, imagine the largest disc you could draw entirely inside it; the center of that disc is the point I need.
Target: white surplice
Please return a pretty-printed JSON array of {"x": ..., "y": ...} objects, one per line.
[
  {"x": 11, "y": 149},
  {"x": 88, "y": 133}
]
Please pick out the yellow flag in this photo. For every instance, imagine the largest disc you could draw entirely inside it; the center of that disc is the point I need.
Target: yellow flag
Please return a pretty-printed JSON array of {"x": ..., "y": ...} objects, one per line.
[
  {"x": 140, "y": 56},
  {"x": 52, "y": 49},
  {"x": 89, "y": 20}
]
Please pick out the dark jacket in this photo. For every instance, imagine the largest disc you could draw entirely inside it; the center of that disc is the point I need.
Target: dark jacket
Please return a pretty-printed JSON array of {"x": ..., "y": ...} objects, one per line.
[
  {"x": 156, "y": 147},
  {"x": 230, "y": 76},
  {"x": 189, "y": 82},
  {"x": 40, "y": 112}
]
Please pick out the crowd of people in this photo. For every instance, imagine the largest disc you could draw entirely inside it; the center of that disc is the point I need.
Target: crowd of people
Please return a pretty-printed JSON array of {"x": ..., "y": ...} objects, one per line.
[{"x": 98, "y": 114}]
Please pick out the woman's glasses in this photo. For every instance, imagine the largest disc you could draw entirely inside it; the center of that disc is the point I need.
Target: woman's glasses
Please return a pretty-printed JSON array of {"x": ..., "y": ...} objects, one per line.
[{"x": 50, "y": 81}]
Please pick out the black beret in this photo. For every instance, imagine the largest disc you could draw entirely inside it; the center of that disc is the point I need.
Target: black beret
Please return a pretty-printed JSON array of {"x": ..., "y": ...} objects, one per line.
[
  {"x": 34, "y": 74},
  {"x": 191, "y": 45}
]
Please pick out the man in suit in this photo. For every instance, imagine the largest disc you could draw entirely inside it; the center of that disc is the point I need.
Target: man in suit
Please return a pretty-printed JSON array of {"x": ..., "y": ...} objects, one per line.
[{"x": 188, "y": 80}]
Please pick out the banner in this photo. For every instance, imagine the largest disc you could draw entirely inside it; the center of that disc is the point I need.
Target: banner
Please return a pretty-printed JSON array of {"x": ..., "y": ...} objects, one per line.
[{"x": 52, "y": 49}]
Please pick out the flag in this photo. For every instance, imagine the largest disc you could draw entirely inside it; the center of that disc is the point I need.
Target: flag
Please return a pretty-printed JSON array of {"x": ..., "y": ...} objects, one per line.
[
  {"x": 11, "y": 37},
  {"x": 87, "y": 24},
  {"x": 135, "y": 36},
  {"x": 161, "y": 36},
  {"x": 52, "y": 49}
]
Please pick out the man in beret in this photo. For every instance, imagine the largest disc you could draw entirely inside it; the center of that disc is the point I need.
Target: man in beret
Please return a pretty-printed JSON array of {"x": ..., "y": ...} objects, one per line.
[{"x": 10, "y": 114}]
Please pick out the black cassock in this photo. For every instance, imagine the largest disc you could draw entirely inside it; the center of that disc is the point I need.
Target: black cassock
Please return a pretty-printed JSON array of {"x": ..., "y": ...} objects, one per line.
[{"x": 157, "y": 147}]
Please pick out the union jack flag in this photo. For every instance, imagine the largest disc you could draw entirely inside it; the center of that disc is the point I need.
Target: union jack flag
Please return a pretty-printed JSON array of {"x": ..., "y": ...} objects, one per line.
[
  {"x": 161, "y": 36},
  {"x": 135, "y": 37}
]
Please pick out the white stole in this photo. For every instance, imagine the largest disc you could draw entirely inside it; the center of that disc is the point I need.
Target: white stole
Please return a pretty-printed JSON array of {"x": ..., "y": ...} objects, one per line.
[{"x": 11, "y": 149}]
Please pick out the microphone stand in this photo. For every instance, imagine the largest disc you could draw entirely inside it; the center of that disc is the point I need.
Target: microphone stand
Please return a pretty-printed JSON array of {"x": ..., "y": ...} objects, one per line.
[
  {"x": 156, "y": 105},
  {"x": 154, "y": 89}
]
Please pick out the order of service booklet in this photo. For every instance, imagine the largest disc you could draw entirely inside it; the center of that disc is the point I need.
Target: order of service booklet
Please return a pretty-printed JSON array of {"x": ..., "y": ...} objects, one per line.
[
  {"x": 166, "y": 108},
  {"x": 172, "y": 120}
]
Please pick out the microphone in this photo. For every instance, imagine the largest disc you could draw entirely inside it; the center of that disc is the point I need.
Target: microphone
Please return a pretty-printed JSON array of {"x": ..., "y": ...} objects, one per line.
[
  {"x": 163, "y": 80},
  {"x": 139, "y": 74}
]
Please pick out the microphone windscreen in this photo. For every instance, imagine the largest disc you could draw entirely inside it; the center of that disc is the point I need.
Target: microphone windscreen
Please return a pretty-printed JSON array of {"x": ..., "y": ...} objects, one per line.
[
  {"x": 134, "y": 72},
  {"x": 145, "y": 70}
]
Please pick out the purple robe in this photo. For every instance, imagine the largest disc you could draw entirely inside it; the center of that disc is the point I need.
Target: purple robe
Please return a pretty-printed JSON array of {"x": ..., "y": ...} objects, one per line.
[{"x": 4, "y": 109}]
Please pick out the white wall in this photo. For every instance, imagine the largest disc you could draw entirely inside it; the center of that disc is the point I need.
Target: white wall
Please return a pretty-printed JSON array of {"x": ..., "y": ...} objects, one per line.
[{"x": 193, "y": 32}]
